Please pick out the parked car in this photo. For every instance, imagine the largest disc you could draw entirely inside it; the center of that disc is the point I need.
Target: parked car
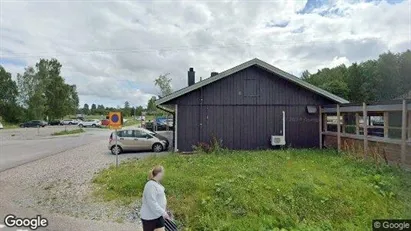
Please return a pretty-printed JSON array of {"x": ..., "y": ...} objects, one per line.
[
  {"x": 162, "y": 126},
  {"x": 34, "y": 123},
  {"x": 55, "y": 122},
  {"x": 137, "y": 140},
  {"x": 90, "y": 123},
  {"x": 105, "y": 122},
  {"x": 69, "y": 122},
  {"x": 1, "y": 126}
]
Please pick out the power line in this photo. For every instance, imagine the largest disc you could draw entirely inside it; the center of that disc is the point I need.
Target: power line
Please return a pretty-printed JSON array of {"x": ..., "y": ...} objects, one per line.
[{"x": 162, "y": 49}]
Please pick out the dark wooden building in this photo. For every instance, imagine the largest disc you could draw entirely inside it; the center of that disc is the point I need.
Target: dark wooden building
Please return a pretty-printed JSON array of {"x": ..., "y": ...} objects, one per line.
[{"x": 243, "y": 107}]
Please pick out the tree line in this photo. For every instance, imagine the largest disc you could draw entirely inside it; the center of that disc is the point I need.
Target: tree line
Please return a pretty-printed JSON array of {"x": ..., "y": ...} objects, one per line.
[
  {"x": 386, "y": 78},
  {"x": 126, "y": 110},
  {"x": 39, "y": 93}
]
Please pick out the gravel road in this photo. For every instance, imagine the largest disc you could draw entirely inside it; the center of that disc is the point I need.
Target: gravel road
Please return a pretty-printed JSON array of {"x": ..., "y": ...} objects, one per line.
[{"x": 58, "y": 188}]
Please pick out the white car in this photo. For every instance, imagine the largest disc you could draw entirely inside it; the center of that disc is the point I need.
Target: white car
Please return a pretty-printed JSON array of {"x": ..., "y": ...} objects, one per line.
[
  {"x": 90, "y": 123},
  {"x": 1, "y": 126},
  {"x": 69, "y": 122}
]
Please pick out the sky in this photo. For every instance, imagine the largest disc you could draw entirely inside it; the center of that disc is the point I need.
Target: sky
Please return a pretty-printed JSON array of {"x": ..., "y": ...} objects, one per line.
[{"x": 113, "y": 50}]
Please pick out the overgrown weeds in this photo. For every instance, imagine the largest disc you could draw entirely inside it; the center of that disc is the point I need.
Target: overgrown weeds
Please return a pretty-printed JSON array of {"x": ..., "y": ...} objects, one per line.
[{"x": 268, "y": 190}]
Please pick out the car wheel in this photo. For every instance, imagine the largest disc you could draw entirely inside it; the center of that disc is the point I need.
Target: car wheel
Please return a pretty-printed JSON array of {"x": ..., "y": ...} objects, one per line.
[
  {"x": 157, "y": 147},
  {"x": 93, "y": 125},
  {"x": 70, "y": 123},
  {"x": 80, "y": 125},
  {"x": 116, "y": 150}
]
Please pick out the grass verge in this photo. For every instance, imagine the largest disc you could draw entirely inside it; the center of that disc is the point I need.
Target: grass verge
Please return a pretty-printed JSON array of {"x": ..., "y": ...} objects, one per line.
[
  {"x": 267, "y": 190},
  {"x": 68, "y": 132},
  {"x": 9, "y": 126}
]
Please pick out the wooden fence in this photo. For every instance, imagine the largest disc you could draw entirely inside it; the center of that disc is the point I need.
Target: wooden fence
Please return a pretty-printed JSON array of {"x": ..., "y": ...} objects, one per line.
[{"x": 376, "y": 129}]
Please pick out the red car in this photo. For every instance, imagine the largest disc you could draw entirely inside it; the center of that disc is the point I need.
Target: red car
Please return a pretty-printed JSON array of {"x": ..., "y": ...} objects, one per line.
[{"x": 105, "y": 122}]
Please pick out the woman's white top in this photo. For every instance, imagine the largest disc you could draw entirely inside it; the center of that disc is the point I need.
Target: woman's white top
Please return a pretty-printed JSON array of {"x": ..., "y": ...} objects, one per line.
[{"x": 154, "y": 201}]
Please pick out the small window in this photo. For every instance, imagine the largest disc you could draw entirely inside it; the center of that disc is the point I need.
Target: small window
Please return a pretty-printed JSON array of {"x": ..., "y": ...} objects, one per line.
[
  {"x": 251, "y": 87},
  {"x": 125, "y": 133},
  {"x": 140, "y": 134}
]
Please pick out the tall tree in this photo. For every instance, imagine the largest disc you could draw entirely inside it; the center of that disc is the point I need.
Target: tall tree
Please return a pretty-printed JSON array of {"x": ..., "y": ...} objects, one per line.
[
  {"x": 44, "y": 92},
  {"x": 126, "y": 105},
  {"x": 151, "y": 105},
  {"x": 86, "y": 109},
  {"x": 32, "y": 93},
  {"x": 9, "y": 110},
  {"x": 126, "y": 109},
  {"x": 93, "y": 108},
  {"x": 8, "y": 88},
  {"x": 73, "y": 99},
  {"x": 164, "y": 83},
  {"x": 404, "y": 65},
  {"x": 139, "y": 111},
  {"x": 386, "y": 78}
]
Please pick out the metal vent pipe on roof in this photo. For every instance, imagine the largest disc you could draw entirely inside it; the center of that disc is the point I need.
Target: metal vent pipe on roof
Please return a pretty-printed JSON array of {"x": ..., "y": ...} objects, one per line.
[{"x": 191, "y": 76}]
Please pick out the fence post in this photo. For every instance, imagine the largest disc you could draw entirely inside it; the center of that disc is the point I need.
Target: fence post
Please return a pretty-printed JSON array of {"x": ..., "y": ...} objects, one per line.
[
  {"x": 409, "y": 126},
  {"x": 365, "y": 126},
  {"x": 357, "y": 123},
  {"x": 320, "y": 126},
  {"x": 338, "y": 128},
  {"x": 404, "y": 131},
  {"x": 386, "y": 124},
  {"x": 343, "y": 123}
]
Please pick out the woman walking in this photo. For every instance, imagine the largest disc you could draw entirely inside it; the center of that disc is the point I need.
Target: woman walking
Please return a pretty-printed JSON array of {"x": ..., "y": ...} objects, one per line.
[{"x": 153, "y": 209}]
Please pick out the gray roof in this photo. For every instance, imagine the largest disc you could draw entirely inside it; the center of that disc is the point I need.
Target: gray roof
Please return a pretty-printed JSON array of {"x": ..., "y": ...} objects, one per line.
[{"x": 245, "y": 65}]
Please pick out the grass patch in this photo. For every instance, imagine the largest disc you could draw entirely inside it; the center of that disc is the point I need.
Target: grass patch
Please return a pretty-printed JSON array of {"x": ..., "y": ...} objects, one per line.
[
  {"x": 267, "y": 190},
  {"x": 9, "y": 126},
  {"x": 131, "y": 121},
  {"x": 68, "y": 132}
]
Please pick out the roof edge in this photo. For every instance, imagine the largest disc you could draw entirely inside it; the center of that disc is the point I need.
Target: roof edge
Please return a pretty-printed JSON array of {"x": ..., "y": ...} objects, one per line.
[{"x": 245, "y": 65}]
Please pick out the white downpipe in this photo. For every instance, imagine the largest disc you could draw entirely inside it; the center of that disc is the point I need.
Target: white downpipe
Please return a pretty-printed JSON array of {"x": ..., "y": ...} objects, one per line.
[
  {"x": 284, "y": 124},
  {"x": 175, "y": 128}
]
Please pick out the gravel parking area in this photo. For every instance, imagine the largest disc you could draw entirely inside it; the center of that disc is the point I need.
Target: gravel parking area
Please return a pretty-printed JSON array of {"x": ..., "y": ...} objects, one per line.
[
  {"x": 59, "y": 188},
  {"x": 32, "y": 133}
]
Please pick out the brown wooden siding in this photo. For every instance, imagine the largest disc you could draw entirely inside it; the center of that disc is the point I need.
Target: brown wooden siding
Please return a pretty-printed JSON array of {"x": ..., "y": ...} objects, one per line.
[
  {"x": 221, "y": 110},
  {"x": 391, "y": 152}
]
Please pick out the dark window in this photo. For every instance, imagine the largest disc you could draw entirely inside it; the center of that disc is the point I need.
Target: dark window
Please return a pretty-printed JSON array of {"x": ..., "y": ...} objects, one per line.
[
  {"x": 125, "y": 133},
  {"x": 140, "y": 134},
  {"x": 251, "y": 87}
]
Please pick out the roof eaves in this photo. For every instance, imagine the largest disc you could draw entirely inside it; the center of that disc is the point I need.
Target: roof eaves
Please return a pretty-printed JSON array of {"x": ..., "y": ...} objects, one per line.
[{"x": 247, "y": 64}]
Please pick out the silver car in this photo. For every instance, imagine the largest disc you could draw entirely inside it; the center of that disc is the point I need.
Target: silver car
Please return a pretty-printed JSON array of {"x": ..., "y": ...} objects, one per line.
[{"x": 137, "y": 139}]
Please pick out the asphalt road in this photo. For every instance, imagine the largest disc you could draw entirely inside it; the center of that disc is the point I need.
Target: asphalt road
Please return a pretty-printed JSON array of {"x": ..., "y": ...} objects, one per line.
[{"x": 24, "y": 149}]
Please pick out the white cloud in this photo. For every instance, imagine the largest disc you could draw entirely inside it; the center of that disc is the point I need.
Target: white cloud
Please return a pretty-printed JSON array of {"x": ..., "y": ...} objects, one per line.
[{"x": 113, "y": 50}]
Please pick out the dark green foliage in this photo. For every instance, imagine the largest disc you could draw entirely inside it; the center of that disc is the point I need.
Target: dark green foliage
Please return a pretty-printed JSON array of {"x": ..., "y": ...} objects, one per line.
[
  {"x": 386, "y": 78},
  {"x": 9, "y": 109},
  {"x": 43, "y": 92}
]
